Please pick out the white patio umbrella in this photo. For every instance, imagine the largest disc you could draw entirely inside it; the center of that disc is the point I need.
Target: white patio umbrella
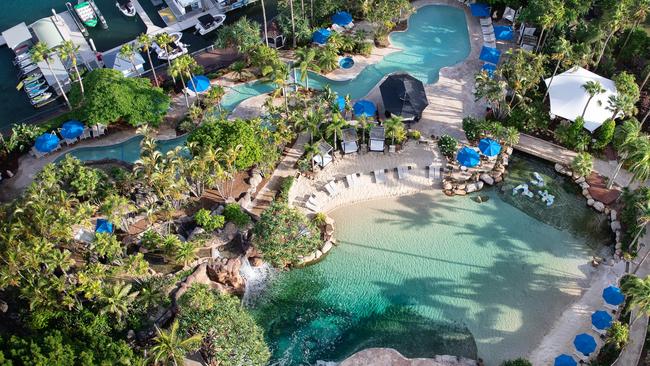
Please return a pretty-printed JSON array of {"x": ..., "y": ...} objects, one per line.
[{"x": 568, "y": 97}]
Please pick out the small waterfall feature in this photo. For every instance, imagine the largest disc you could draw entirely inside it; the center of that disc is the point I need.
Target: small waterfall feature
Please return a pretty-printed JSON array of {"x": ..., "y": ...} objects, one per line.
[{"x": 256, "y": 279}]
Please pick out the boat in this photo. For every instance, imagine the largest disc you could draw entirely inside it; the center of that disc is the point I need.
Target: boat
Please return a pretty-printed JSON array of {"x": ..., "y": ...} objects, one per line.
[
  {"x": 22, "y": 56},
  {"x": 34, "y": 85},
  {"x": 86, "y": 13},
  {"x": 33, "y": 77},
  {"x": 37, "y": 92},
  {"x": 126, "y": 7},
  {"x": 207, "y": 23},
  {"x": 27, "y": 69},
  {"x": 24, "y": 62},
  {"x": 40, "y": 98},
  {"x": 176, "y": 48}
]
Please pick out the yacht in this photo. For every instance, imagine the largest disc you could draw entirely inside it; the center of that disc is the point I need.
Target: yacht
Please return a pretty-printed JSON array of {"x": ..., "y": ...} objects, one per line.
[
  {"x": 86, "y": 13},
  {"x": 40, "y": 99},
  {"x": 207, "y": 23},
  {"x": 126, "y": 7},
  {"x": 176, "y": 48}
]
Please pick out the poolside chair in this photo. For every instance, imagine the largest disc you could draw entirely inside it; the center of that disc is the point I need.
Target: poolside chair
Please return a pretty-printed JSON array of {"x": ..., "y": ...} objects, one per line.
[
  {"x": 487, "y": 30},
  {"x": 380, "y": 176},
  {"x": 101, "y": 129},
  {"x": 601, "y": 332},
  {"x": 95, "y": 131},
  {"x": 509, "y": 14},
  {"x": 35, "y": 153},
  {"x": 485, "y": 21},
  {"x": 85, "y": 134},
  {"x": 69, "y": 142},
  {"x": 433, "y": 171},
  {"x": 312, "y": 203},
  {"x": 351, "y": 180},
  {"x": 402, "y": 171},
  {"x": 489, "y": 38},
  {"x": 331, "y": 188}
]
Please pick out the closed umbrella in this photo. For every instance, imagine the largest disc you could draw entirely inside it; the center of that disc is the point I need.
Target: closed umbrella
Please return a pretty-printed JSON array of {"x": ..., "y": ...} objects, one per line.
[
  {"x": 403, "y": 95},
  {"x": 46, "y": 142},
  {"x": 321, "y": 36},
  {"x": 103, "y": 226},
  {"x": 601, "y": 320},
  {"x": 468, "y": 157},
  {"x": 613, "y": 295},
  {"x": 365, "y": 108},
  {"x": 72, "y": 129},
  {"x": 342, "y": 18},
  {"x": 585, "y": 344},
  {"x": 564, "y": 360},
  {"x": 489, "y": 147},
  {"x": 480, "y": 10},
  {"x": 340, "y": 102},
  {"x": 201, "y": 82},
  {"x": 490, "y": 54}
]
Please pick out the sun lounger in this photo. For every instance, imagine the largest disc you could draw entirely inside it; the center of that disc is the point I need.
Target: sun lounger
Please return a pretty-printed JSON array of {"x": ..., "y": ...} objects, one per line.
[
  {"x": 312, "y": 203},
  {"x": 489, "y": 38},
  {"x": 330, "y": 187},
  {"x": 85, "y": 134},
  {"x": 70, "y": 141},
  {"x": 487, "y": 30},
  {"x": 402, "y": 171},
  {"x": 486, "y": 21},
  {"x": 380, "y": 176},
  {"x": 351, "y": 179},
  {"x": 433, "y": 171},
  {"x": 509, "y": 14},
  {"x": 312, "y": 207},
  {"x": 101, "y": 129},
  {"x": 35, "y": 153}
]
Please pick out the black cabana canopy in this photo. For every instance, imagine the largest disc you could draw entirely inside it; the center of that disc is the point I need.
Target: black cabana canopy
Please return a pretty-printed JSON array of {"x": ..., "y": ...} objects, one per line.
[{"x": 403, "y": 95}]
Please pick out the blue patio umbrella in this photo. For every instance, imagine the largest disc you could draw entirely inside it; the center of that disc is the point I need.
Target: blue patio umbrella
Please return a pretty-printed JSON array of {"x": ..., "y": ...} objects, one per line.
[
  {"x": 321, "y": 36},
  {"x": 504, "y": 32},
  {"x": 46, "y": 142},
  {"x": 490, "y": 54},
  {"x": 490, "y": 68},
  {"x": 613, "y": 295},
  {"x": 564, "y": 360},
  {"x": 103, "y": 226},
  {"x": 342, "y": 18},
  {"x": 72, "y": 129},
  {"x": 480, "y": 9},
  {"x": 489, "y": 147},
  {"x": 468, "y": 157},
  {"x": 584, "y": 343},
  {"x": 201, "y": 82},
  {"x": 340, "y": 102},
  {"x": 601, "y": 319},
  {"x": 365, "y": 108}
]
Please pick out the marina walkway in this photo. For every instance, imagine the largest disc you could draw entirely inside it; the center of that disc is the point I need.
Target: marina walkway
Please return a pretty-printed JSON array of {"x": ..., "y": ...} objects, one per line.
[{"x": 151, "y": 28}]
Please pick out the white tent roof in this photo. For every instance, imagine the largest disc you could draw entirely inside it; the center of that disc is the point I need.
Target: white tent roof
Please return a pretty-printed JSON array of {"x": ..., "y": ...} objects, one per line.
[{"x": 568, "y": 97}]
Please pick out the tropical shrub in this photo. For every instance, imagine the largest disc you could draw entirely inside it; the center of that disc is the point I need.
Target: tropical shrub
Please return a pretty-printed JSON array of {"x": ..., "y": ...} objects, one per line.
[
  {"x": 363, "y": 48},
  {"x": 605, "y": 134},
  {"x": 110, "y": 97},
  {"x": 472, "y": 128},
  {"x": 528, "y": 117},
  {"x": 205, "y": 219},
  {"x": 244, "y": 34},
  {"x": 572, "y": 135},
  {"x": 582, "y": 164},
  {"x": 415, "y": 134},
  {"x": 151, "y": 239},
  {"x": 234, "y": 213},
  {"x": 21, "y": 138},
  {"x": 633, "y": 201},
  {"x": 283, "y": 234},
  {"x": 517, "y": 362},
  {"x": 319, "y": 219},
  {"x": 230, "y": 335},
  {"x": 618, "y": 334},
  {"x": 239, "y": 135},
  {"x": 79, "y": 180},
  {"x": 285, "y": 187},
  {"x": 448, "y": 146}
]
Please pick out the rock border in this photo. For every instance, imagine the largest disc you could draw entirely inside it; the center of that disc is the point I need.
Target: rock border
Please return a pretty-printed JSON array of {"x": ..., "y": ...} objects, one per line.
[{"x": 479, "y": 179}]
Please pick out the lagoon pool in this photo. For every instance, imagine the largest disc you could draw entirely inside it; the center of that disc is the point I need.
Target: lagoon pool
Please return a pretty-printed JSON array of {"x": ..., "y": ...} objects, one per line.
[
  {"x": 428, "y": 274},
  {"x": 128, "y": 150}
]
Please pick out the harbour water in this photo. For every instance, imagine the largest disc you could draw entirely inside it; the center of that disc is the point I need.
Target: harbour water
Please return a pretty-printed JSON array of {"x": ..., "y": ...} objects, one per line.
[
  {"x": 15, "y": 106},
  {"x": 429, "y": 274}
]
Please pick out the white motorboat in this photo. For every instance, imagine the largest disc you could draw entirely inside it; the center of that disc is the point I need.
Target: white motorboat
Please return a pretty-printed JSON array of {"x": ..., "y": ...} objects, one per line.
[
  {"x": 40, "y": 98},
  {"x": 126, "y": 7},
  {"x": 33, "y": 77},
  {"x": 207, "y": 23},
  {"x": 23, "y": 62},
  {"x": 37, "y": 92},
  {"x": 34, "y": 84},
  {"x": 176, "y": 48},
  {"x": 27, "y": 69}
]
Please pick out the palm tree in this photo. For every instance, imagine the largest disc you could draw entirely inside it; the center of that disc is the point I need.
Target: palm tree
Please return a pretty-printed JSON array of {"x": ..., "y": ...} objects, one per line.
[
  {"x": 614, "y": 19},
  {"x": 642, "y": 221},
  {"x": 116, "y": 207},
  {"x": 39, "y": 53},
  {"x": 178, "y": 68},
  {"x": 163, "y": 40},
  {"x": 127, "y": 52},
  {"x": 266, "y": 37},
  {"x": 306, "y": 57},
  {"x": 171, "y": 347},
  {"x": 620, "y": 103},
  {"x": 144, "y": 41},
  {"x": 392, "y": 125},
  {"x": 311, "y": 150},
  {"x": 190, "y": 67},
  {"x": 561, "y": 52},
  {"x": 117, "y": 299},
  {"x": 185, "y": 252},
  {"x": 335, "y": 127},
  {"x": 639, "y": 159},
  {"x": 68, "y": 51},
  {"x": 625, "y": 137},
  {"x": 293, "y": 23},
  {"x": 638, "y": 14},
  {"x": 618, "y": 334},
  {"x": 214, "y": 95},
  {"x": 638, "y": 292},
  {"x": 582, "y": 164},
  {"x": 592, "y": 88}
]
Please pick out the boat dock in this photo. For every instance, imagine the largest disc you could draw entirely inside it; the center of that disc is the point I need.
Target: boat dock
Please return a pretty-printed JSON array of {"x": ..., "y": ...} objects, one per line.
[{"x": 151, "y": 28}]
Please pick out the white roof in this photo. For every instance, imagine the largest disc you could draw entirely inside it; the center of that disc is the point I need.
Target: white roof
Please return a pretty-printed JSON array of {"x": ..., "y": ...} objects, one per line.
[
  {"x": 58, "y": 70},
  {"x": 17, "y": 35},
  {"x": 568, "y": 97}
]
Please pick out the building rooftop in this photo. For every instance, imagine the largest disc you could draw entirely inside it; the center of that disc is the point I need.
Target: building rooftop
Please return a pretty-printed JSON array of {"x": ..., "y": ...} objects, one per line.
[{"x": 17, "y": 35}]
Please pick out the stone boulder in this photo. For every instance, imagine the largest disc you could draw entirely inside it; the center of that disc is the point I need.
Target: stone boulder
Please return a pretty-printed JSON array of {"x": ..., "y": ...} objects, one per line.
[
  {"x": 590, "y": 202},
  {"x": 447, "y": 186},
  {"x": 225, "y": 271},
  {"x": 615, "y": 225},
  {"x": 559, "y": 167},
  {"x": 613, "y": 215},
  {"x": 326, "y": 247},
  {"x": 471, "y": 188},
  {"x": 487, "y": 179},
  {"x": 255, "y": 180},
  {"x": 195, "y": 232},
  {"x": 245, "y": 201},
  {"x": 460, "y": 192},
  {"x": 256, "y": 261},
  {"x": 229, "y": 231},
  {"x": 580, "y": 180},
  {"x": 599, "y": 206}
]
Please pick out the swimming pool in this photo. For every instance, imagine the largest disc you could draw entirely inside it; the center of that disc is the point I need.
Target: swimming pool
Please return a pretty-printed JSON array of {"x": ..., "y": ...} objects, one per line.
[
  {"x": 428, "y": 274},
  {"x": 128, "y": 150}
]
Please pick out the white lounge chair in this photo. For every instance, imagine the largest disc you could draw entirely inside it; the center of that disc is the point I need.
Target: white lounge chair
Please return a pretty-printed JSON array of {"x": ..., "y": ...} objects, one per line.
[
  {"x": 101, "y": 129},
  {"x": 380, "y": 176},
  {"x": 330, "y": 187},
  {"x": 95, "y": 131},
  {"x": 312, "y": 207},
  {"x": 509, "y": 14},
  {"x": 486, "y": 21},
  {"x": 312, "y": 203},
  {"x": 487, "y": 30},
  {"x": 402, "y": 171},
  {"x": 434, "y": 171},
  {"x": 351, "y": 180},
  {"x": 35, "y": 153},
  {"x": 70, "y": 141},
  {"x": 85, "y": 134},
  {"x": 489, "y": 38}
]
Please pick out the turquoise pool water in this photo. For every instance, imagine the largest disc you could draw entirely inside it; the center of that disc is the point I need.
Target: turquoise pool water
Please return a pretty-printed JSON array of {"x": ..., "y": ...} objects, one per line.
[
  {"x": 128, "y": 150},
  {"x": 429, "y": 274},
  {"x": 437, "y": 36}
]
